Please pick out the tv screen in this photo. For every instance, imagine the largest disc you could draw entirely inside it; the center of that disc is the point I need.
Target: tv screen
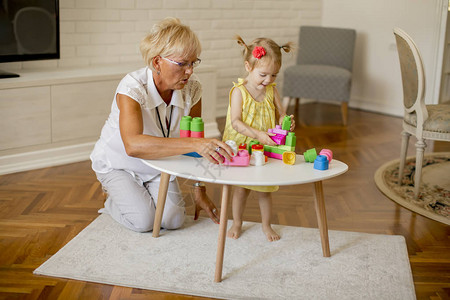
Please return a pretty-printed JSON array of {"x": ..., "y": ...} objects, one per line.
[{"x": 29, "y": 30}]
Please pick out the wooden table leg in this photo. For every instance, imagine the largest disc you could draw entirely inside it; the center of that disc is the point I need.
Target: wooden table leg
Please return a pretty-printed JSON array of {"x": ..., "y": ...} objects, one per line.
[
  {"x": 162, "y": 194},
  {"x": 222, "y": 232},
  {"x": 321, "y": 217}
]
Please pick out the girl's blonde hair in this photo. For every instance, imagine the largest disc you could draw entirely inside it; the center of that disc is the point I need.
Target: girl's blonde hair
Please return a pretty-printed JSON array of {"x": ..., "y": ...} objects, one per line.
[
  {"x": 272, "y": 49},
  {"x": 169, "y": 37}
]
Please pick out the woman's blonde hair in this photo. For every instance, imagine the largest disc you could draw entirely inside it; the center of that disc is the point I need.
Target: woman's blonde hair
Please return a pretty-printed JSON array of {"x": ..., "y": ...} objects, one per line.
[
  {"x": 169, "y": 37},
  {"x": 272, "y": 49}
]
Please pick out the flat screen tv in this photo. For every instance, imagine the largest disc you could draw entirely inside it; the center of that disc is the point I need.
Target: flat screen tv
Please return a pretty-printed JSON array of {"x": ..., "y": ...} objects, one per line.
[{"x": 29, "y": 30}]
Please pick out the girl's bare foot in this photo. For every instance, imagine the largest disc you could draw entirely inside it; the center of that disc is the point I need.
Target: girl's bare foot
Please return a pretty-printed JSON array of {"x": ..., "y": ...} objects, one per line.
[
  {"x": 270, "y": 233},
  {"x": 235, "y": 231}
]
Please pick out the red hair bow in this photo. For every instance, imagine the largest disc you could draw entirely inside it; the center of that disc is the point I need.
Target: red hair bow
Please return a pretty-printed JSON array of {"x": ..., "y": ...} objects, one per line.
[{"x": 258, "y": 52}]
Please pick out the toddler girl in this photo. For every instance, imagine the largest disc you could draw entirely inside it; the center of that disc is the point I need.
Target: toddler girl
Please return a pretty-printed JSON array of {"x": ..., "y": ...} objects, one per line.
[{"x": 255, "y": 107}]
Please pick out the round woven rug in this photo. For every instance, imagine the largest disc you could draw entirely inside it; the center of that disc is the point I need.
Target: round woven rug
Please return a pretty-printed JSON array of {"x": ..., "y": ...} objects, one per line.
[{"x": 434, "y": 197}]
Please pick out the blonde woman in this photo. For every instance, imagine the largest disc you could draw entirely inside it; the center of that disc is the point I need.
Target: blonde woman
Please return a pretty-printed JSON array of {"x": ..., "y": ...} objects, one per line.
[{"x": 144, "y": 124}]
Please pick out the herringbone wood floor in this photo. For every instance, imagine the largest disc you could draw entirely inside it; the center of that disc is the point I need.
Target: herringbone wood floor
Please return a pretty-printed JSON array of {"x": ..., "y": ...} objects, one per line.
[{"x": 41, "y": 210}]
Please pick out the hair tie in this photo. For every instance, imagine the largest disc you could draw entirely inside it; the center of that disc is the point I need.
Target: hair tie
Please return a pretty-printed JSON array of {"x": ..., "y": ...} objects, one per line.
[{"x": 258, "y": 52}]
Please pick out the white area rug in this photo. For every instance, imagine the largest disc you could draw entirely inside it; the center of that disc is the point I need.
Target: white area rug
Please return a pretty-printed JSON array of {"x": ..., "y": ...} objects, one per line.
[{"x": 361, "y": 266}]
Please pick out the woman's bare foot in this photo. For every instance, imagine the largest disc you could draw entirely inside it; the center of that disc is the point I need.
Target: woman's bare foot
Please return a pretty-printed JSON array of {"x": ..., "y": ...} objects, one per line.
[
  {"x": 235, "y": 231},
  {"x": 270, "y": 233}
]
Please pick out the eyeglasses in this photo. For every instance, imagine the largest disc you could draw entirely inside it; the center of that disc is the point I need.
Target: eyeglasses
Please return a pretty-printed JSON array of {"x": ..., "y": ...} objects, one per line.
[{"x": 184, "y": 64}]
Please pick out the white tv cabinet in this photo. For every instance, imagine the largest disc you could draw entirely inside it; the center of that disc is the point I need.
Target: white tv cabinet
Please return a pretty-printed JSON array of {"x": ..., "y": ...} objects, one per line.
[{"x": 54, "y": 117}]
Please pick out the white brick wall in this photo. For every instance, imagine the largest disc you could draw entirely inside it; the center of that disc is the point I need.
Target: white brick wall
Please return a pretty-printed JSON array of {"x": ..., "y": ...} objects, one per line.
[{"x": 108, "y": 31}]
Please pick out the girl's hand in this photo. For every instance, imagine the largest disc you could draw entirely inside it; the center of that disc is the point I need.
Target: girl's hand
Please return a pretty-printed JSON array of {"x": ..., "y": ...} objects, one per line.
[
  {"x": 213, "y": 150},
  {"x": 292, "y": 122},
  {"x": 264, "y": 138}
]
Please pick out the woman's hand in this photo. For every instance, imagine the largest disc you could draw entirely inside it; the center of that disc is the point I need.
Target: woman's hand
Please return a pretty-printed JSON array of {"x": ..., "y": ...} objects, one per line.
[{"x": 214, "y": 150}]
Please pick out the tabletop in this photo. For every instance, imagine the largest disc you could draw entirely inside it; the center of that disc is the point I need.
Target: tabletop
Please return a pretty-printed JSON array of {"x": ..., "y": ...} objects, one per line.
[{"x": 274, "y": 172}]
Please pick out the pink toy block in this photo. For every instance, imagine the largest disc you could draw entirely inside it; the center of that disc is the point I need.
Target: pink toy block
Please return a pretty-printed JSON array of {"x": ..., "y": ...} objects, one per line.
[
  {"x": 278, "y": 130},
  {"x": 328, "y": 153},
  {"x": 197, "y": 134},
  {"x": 185, "y": 133},
  {"x": 280, "y": 137},
  {"x": 242, "y": 159},
  {"x": 273, "y": 155}
]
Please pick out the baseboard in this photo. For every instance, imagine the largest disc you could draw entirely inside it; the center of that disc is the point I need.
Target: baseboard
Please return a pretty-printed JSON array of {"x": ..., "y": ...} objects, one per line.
[
  {"x": 45, "y": 158},
  {"x": 63, "y": 155}
]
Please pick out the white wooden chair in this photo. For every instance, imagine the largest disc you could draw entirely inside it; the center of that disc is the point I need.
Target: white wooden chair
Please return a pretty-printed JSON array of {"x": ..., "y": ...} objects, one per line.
[{"x": 430, "y": 122}]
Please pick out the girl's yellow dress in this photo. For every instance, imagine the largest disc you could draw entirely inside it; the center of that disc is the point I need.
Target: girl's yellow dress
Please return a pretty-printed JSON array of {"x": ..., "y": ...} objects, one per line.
[{"x": 258, "y": 115}]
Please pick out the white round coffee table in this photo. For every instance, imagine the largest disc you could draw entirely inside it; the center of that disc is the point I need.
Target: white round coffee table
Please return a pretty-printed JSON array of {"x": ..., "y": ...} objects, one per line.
[{"x": 274, "y": 172}]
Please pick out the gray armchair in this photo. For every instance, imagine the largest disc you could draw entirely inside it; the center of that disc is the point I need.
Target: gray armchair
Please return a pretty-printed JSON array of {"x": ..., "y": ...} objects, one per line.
[{"x": 324, "y": 67}]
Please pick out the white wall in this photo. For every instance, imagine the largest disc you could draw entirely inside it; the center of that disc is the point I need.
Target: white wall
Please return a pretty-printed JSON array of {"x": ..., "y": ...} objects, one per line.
[
  {"x": 377, "y": 79},
  {"x": 97, "y": 32}
]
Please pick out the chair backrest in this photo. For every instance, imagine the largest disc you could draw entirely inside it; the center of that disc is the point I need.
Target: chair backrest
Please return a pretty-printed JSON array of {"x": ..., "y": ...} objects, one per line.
[
  {"x": 411, "y": 67},
  {"x": 326, "y": 46}
]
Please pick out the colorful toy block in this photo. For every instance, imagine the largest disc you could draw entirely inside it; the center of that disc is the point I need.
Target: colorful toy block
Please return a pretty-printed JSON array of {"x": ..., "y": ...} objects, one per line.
[
  {"x": 286, "y": 124},
  {"x": 310, "y": 155},
  {"x": 288, "y": 157},
  {"x": 185, "y": 126},
  {"x": 242, "y": 146},
  {"x": 284, "y": 139},
  {"x": 321, "y": 163},
  {"x": 291, "y": 140},
  {"x": 328, "y": 153},
  {"x": 192, "y": 127},
  {"x": 197, "y": 128},
  {"x": 280, "y": 135},
  {"x": 253, "y": 142},
  {"x": 242, "y": 159}
]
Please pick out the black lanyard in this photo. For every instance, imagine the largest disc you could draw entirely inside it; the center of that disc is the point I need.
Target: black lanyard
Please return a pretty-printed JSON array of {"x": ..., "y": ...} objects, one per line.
[{"x": 168, "y": 125}]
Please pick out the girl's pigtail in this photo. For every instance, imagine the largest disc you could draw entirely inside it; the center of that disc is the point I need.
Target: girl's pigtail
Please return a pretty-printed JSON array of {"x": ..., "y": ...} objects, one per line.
[
  {"x": 241, "y": 42},
  {"x": 287, "y": 47}
]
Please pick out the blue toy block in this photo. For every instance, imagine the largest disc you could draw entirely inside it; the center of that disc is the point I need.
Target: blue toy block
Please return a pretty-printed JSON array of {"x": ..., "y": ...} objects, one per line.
[
  {"x": 321, "y": 162},
  {"x": 193, "y": 154}
]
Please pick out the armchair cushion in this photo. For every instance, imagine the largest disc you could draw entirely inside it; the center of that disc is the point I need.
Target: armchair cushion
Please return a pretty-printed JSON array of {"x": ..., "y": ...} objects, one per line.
[
  {"x": 438, "y": 118},
  {"x": 317, "y": 82}
]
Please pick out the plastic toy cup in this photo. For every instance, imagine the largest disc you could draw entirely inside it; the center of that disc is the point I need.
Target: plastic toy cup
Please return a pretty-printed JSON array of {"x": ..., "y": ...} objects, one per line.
[
  {"x": 253, "y": 142},
  {"x": 258, "y": 158},
  {"x": 289, "y": 157},
  {"x": 310, "y": 155},
  {"x": 258, "y": 147},
  {"x": 233, "y": 146}
]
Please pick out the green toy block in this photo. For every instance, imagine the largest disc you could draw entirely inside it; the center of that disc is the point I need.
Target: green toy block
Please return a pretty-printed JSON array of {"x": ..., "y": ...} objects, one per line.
[
  {"x": 291, "y": 140},
  {"x": 197, "y": 124},
  {"x": 185, "y": 123},
  {"x": 310, "y": 155},
  {"x": 287, "y": 148},
  {"x": 274, "y": 149},
  {"x": 286, "y": 124}
]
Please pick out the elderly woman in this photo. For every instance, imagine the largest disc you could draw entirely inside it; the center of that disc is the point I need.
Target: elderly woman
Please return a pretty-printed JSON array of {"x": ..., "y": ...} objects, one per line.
[{"x": 144, "y": 124}]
